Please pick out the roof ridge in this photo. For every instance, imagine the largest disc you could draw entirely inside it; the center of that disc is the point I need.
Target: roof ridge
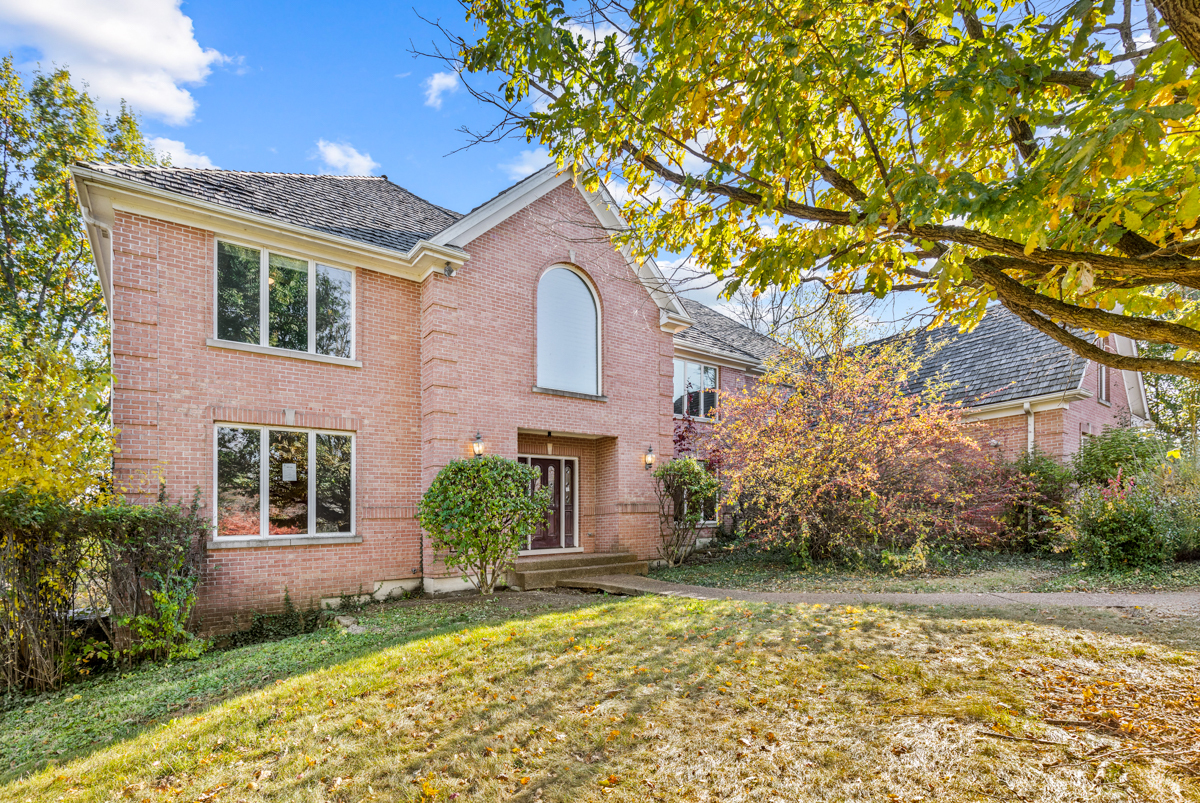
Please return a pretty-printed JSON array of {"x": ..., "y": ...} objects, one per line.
[{"x": 238, "y": 172}]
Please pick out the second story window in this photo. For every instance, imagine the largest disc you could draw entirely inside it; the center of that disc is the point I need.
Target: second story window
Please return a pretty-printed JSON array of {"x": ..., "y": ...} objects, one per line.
[
  {"x": 287, "y": 302},
  {"x": 568, "y": 333},
  {"x": 695, "y": 389}
]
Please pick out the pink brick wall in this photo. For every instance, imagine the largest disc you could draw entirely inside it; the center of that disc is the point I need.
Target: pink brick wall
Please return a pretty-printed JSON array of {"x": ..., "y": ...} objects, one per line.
[
  {"x": 171, "y": 387},
  {"x": 480, "y": 365},
  {"x": 440, "y": 361},
  {"x": 1059, "y": 432}
]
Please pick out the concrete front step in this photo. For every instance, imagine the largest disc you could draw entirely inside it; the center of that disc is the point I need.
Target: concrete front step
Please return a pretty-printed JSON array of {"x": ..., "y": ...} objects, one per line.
[
  {"x": 526, "y": 578},
  {"x": 572, "y": 560}
]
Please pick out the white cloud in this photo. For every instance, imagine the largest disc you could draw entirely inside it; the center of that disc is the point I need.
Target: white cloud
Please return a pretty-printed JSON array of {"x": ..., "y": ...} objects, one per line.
[
  {"x": 142, "y": 51},
  {"x": 344, "y": 159},
  {"x": 178, "y": 153},
  {"x": 438, "y": 85},
  {"x": 528, "y": 163}
]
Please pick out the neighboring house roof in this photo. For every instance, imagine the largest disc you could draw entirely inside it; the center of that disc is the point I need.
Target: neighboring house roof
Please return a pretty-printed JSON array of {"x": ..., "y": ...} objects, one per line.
[
  {"x": 714, "y": 332},
  {"x": 1002, "y": 359},
  {"x": 368, "y": 209}
]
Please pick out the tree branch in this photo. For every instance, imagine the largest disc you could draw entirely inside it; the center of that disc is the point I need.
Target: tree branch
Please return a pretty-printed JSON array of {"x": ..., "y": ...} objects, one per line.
[
  {"x": 1009, "y": 289},
  {"x": 1158, "y": 268},
  {"x": 1091, "y": 351}
]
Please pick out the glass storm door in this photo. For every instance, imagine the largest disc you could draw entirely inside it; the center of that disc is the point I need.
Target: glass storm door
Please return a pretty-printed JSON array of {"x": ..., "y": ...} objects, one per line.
[{"x": 560, "y": 476}]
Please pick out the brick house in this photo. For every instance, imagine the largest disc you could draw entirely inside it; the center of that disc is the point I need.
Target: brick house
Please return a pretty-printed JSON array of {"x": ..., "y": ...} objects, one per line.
[
  {"x": 308, "y": 352},
  {"x": 1029, "y": 389}
]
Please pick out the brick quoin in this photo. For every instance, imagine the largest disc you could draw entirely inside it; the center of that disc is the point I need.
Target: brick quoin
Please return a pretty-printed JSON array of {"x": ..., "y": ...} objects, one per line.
[{"x": 441, "y": 360}]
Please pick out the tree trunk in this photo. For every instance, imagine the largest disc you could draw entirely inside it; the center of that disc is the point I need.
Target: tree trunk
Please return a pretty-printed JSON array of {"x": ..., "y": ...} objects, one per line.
[{"x": 1183, "y": 18}]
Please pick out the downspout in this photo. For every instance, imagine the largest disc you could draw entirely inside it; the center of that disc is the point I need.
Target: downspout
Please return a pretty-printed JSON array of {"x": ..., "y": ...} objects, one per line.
[
  {"x": 1028, "y": 448},
  {"x": 1028, "y": 428},
  {"x": 107, "y": 236}
]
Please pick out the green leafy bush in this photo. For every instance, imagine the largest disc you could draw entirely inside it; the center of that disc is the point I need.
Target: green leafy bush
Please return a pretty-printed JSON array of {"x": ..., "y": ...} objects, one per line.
[
  {"x": 1042, "y": 495},
  {"x": 1118, "y": 526},
  {"x": 1117, "y": 450},
  {"x": 684, "y": 488},
  {"x": 1177, "y": 486},
  {"x": 43, "y": 554},
  {"x": 480, "y": 512},
  {"x": 125, "y": 572},
  {"x": 147, "y": 562}
]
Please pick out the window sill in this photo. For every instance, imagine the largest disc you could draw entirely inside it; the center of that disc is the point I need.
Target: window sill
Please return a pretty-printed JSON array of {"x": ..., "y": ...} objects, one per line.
[
  {"x": 274, "y": 352},
  {"x": 702, "y": 419},
  {"x": 570, "y": 394},
  {"x": 1105, "y": 403},
  {"x": 252, "y": 541}
]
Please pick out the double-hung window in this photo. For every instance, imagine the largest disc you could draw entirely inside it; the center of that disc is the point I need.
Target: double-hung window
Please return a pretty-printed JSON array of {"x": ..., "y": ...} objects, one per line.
[
  {"x": 284, "y": 481},
  {"x": 271, "y": 299},
  {"x": 695, "y": 389}
]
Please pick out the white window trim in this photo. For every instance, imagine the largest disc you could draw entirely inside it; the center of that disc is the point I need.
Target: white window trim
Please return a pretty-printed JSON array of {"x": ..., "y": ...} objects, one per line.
[
  {"x": 1103, "y": 394},
  {"x": 599, "y": 394},
  {"x": 703, "y": 365},
  {"x": 264, "y": 304},
  {"x": 560, "y": 550},
  {"x": 716, "y": 508},
  {"x": 264, "y": 504}
]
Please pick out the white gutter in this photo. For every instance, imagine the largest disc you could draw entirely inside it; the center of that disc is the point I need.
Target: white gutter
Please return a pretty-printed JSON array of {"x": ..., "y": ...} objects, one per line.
[
  {"x": 1035, "y": 404},
  {"x": 422, "y": 248},
  {"x": 735, "y": 360}
]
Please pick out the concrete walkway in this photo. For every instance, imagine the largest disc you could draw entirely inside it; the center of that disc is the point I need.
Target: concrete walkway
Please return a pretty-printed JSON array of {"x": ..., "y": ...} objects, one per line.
[{"x": 1174, "y": 603}]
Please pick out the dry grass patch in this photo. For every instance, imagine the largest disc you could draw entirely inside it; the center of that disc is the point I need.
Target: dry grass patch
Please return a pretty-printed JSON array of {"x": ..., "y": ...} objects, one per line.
[{"x": 657, "y": 699}]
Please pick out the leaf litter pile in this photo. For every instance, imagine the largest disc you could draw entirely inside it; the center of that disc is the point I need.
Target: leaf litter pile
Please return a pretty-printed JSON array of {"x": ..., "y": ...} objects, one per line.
[
  {"x": 656, "y": 699},
  {"x": 1149, "y": 715}
]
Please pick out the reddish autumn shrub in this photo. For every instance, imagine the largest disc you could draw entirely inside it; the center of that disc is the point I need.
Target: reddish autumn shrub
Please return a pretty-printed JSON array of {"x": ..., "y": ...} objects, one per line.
[{"x": 841, "y": 457}]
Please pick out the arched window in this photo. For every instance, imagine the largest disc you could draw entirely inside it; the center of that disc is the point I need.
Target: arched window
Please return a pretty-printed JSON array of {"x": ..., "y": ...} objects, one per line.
[{"x": 568, "y": 340}]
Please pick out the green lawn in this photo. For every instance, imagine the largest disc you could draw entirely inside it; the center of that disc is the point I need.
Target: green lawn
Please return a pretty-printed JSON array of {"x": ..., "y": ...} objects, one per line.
[
  {"x": 968, "y": 572},
  {"x": 646, "y": 699},
  {"x": 87, "y": 715}
]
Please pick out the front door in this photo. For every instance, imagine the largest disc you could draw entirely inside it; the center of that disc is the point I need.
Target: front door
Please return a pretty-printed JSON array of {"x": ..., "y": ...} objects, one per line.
[
  {"x": 560, "y": 476},
  {"x": 549, "y": 534}
]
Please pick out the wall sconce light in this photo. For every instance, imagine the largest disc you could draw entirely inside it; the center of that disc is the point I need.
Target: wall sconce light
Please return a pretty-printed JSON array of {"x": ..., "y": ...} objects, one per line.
[
  {"x": 477, "y": 445},
  {"x": 649, "y": 457}
]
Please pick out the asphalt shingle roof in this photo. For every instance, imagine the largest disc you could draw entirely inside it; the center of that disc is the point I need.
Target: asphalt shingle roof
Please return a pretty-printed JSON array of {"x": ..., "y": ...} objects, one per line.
[
  {"x": 1002, "y": 359},
  {"x": 713, "y": 330},
  {"x": 369, "y": 209}
]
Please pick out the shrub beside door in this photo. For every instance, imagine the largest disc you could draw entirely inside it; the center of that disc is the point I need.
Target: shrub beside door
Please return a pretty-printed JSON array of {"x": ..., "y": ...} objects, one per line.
[{"x": 479, "y": 513}]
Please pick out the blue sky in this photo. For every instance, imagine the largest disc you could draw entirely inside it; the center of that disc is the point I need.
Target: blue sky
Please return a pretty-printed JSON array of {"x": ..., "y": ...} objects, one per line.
[{"x": 293, "y": 87}]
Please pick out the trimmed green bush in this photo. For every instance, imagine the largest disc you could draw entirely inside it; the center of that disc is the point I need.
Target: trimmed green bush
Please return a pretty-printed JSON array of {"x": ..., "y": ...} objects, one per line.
[
  {"x": 84, "y": 585},
  {"x": 43, "y": 555},
  {"x": 147, "y": 564},
  {"x": 479, "y": 513}
]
